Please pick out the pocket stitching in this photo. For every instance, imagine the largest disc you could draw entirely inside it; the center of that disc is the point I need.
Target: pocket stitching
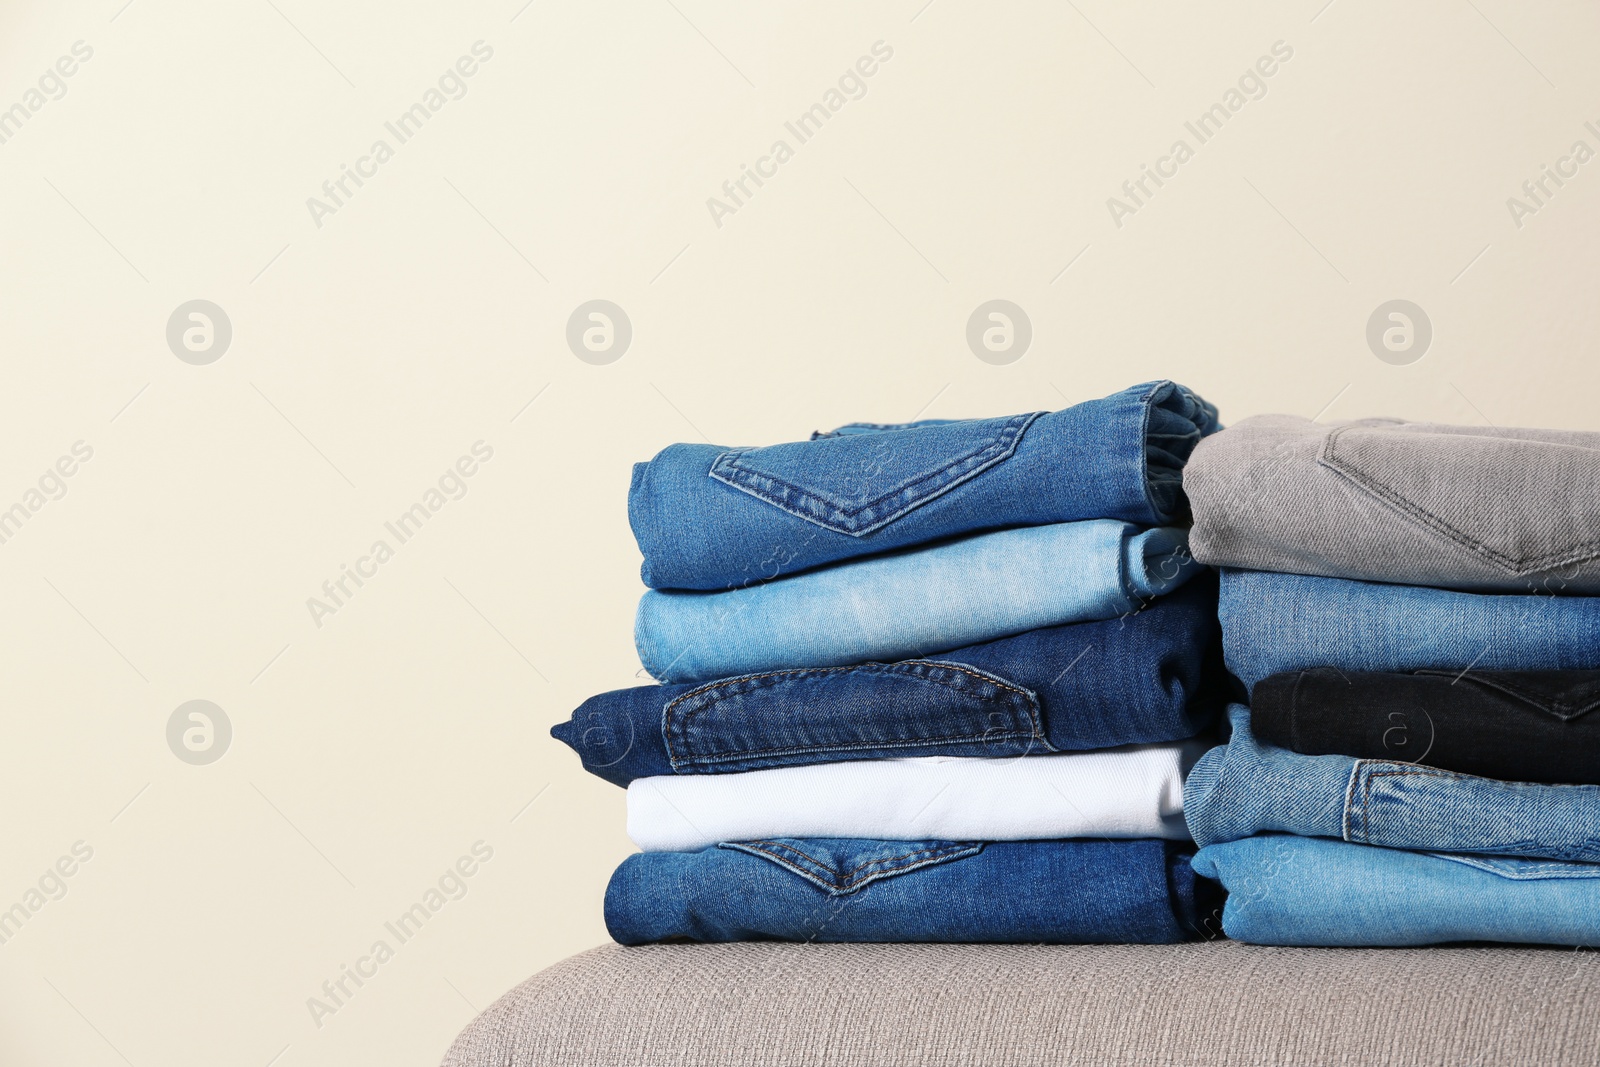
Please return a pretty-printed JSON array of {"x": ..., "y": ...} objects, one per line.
[
  {"x": 852, "y": 882},
  {"x": 1525, "y": 869},
  {"x": 1369, "y": 771},
  {"x": 1584, "y": 550},
  {"x": 807, "y": 505},
  {"x": 1562, "y": 710},
  {"x": 671, "y": 729}
]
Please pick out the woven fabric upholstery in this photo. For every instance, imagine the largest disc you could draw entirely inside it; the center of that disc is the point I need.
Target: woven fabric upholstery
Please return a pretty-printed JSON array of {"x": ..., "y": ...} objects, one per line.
[{"x": 1202, "y": 1004}]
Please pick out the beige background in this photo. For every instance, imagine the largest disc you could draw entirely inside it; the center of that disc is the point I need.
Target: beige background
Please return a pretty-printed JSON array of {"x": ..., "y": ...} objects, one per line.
[{"x": 369, "y": 353}]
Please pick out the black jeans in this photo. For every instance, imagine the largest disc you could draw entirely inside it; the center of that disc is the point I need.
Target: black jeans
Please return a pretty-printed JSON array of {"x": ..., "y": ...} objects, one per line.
[{"x": 1518, "y": 726}]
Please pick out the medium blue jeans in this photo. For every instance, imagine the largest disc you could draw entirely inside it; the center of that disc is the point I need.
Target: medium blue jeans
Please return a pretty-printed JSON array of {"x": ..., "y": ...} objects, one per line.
[
  {"x": 1147, "y": 677},
  {"x": 1290, "y": 622},
  {"x": 911, "y": 604},
  {"x": 1245, "y": 788},
  {"x": 849, "y": 889},
  {"x": 708, "y": 517},
  {"x": 1285, "y": 890}
]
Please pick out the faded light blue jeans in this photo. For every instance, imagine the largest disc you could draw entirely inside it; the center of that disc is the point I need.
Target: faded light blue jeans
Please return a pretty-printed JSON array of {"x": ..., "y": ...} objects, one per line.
[
  {"x": 1285, "y": 890},
  {"x": 912, "y": 603},
  {"x": 1245, "y": 788},
  {"x": 1291, "y": 622}
]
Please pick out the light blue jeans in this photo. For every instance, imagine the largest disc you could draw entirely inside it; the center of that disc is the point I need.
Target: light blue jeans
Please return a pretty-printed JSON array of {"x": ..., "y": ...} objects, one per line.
[
  {"x": 912, "y": 603},
  {"x": 1245, "y": 788},
  {"x": 1285, "y": 890},
  {"x": 1292, "y": 622}
]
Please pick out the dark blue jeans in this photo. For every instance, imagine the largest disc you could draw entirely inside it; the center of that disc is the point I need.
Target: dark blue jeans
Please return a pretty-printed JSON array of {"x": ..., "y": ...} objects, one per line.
[
  {"x": 1084, "y": 891},
  {"x": 712, "y": 518},
  {"x": 1147, "y": 677}
]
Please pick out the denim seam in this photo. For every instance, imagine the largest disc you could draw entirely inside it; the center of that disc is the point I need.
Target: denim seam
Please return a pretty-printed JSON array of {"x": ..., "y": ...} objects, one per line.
[
  {"x": 872, "y": 426},
  {"x": 1567, "y": 710},
  {"x": 1124, "y": 584},
  {"x": 641, "y": 643},
  {"x": 1484, "y": 863},
  {"x": 1404, "y": 770},
  {"x": 927, "y": 855},
  {"x": 1349, "y": 798},
  {"x": 668, "y": 727},
  {"x": 1369, "y": 776},
  {"x": 733, "y": 455},
  {"x": 755, "y": 753},
  {"x": 1583, "y": 550},
  {"x": 1294, "y": 708},
  {"x": 824, "y": 513},
  {"x": 1144, "y": 451}
]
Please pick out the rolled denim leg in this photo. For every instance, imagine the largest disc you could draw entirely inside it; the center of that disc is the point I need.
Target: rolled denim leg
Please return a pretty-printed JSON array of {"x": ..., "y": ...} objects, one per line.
[{"x": 1241, "y": 789}]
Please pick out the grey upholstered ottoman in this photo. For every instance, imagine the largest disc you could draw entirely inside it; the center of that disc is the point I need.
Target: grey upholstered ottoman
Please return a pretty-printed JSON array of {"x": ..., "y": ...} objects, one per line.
[{"x": 1217, "y": 1003}]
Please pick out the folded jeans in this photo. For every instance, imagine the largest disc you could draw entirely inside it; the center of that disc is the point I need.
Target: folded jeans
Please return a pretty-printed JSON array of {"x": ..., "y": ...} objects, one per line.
[
  {"x": 1290, "y": 622},
  {"x": 1136, "y": 791},
  {"x": 912, "y": 604},
  {"x": 1286, "y": 890},
  {"x": 708, "y": 517},
  {"x": 1150, "y": 677},
  {"x": 1468, "y": 507},
  {"x": 1521, "y": 726},
  {"x": 1244, "y": 788},
  {"x": 818, "y": 890}
]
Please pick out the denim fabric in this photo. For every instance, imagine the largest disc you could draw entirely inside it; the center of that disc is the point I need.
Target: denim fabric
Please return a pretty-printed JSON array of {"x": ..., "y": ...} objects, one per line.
[
  {"x": 1468, "y": 507},
  {"x": 708, "y": 517},
  {"x": 1285, "y": 890},
  {"x": 1245, "y": 788},
  {"x": 1520, "y": 726},
  {"x": 1129, "y": 792},
  {"x": 912, "y": 604},
  {"x": 1291, "y": 622},
  {"x": 848, "y": 889},
  {"x": 1148, "y": 677}
]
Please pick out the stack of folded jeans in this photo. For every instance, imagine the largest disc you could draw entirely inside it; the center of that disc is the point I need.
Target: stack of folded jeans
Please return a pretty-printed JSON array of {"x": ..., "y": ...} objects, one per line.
[
  {"x": 1413, "y": 610},
  {"x": 925, "y": 682}
]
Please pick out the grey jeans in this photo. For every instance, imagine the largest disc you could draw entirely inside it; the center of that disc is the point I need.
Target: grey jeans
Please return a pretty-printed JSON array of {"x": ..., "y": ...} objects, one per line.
[{"x": 1418, "y": 503}]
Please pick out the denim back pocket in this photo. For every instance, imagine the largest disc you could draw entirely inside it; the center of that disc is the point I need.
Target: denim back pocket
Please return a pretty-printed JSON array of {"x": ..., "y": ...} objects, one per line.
[
  {"x": 1456, "y": 481},
  {"x": 1522, "y": 870},
  {"x": 916, "y": 707},
  {"x": 1566, "y": 695},
  {"x": 855, "y": 483},
  {"x": 841, "y": 865}
]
